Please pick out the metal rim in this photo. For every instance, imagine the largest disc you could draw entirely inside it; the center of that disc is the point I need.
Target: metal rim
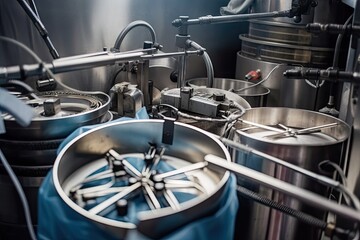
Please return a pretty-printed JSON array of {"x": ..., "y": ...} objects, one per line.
[
  {"x": 344, "y": 126},
  {"x": 58, "y": 127},
  {"x": 263, "y": 90},
  {"x": 144, "y": 216},
  {"x": 245, "y": 37}
]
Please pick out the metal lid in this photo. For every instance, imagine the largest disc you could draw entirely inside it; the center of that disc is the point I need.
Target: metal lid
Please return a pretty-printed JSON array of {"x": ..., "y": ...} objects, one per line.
[
  {"x": 57, "y": 114},
  {"x": 290, "y": 126}
]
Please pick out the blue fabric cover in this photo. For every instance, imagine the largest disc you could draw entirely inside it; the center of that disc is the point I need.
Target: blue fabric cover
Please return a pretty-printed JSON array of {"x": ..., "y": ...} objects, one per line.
[{"x": 57, "y": 221}]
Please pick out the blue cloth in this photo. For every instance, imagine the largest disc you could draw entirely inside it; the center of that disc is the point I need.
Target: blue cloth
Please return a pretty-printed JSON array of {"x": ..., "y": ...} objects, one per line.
[{"x": 57, "y": 221}]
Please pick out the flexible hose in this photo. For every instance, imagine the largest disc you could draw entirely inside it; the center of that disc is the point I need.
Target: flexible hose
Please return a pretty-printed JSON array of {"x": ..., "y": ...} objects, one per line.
[
  {"x": 335, "y": 65},
  {"x": 21, "y": 193},
  {"x": 207, "y": 60},
  {"x": 129, "y": 27},
  {"x": 306, "y": 218},
  {"x": 301, "y": 216},
  {"x": 24, "y": 86},
  {"x": 34, "y": 8},
  {"x": 260, "y": 82},
  {"x": 48, "y": 71},
  {"x": 209, "y": 69},
  {"x": 40, "y": 27}
]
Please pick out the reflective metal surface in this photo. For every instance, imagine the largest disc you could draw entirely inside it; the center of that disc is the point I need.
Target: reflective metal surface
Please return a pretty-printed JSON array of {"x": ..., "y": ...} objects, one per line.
[
  {"x": 283, "y": 52},
  {"x": 255, "y": 96},
  {"x": 76, "y": 110},
  {"x": 306, "y": 151},
  {"x": 204, "y": 103},
  {"x": 323, "y": 13},
  {"x": 134, "y": 137},
  {"x": 89, "y": 25},
  {"x": 283, "y": 92}
]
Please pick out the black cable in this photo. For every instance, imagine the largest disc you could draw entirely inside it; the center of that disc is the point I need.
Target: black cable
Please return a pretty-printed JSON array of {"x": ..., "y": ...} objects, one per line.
[
  {"x": 40, "y": 27},
  {"x": 306, "y": 218},
  {"x": 335, "y": 65},
  {"x": 28, "y": 90},
  {"x": 34, "y": 8},
  {"x": 21, "y": 193},
  {"x": 301, "y": 216}
]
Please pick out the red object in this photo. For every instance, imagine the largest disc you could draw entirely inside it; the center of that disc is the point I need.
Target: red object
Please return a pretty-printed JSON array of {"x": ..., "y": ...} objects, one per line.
[{"x": 253, "y": 75}]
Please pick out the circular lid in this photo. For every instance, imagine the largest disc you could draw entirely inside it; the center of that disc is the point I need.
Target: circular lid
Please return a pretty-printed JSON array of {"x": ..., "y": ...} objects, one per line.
[
  {"x": 290, "y": 126},
  {"x": 57, "y": 114}
]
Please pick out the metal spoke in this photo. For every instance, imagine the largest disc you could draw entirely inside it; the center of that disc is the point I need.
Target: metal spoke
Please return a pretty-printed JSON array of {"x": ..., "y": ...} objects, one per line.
[
  {"x": 305, "y": 130},
  {"x": 171, "y": 199},
  {"x": 261, "y": 126},
  {"x": 110, "y": 201},
  {"x": 152, "y": 196},
  {"x": 172, "y": 183},
  {"x": 102, "y": 193},
  {"x": 192, "y": 167},
  {"x": 133, "y": 171},
  {"x": 101, "y": 187}
]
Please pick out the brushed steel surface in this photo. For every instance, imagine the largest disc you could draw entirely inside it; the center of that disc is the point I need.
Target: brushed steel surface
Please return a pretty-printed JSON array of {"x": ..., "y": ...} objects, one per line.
[
  {"x": 86, "y": 26},
  {"x": 330, "y": 145},
  {"x": 323, "y": 13},
  {"x": 283, "y": 92},
  {"x": 76, "y": 112},
  {"x": 255, "y": 96},
  {"x": 134, "y": 137}
]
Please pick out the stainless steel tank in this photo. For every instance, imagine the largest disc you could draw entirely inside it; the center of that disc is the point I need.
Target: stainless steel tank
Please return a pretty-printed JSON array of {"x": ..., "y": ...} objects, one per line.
[
  {"x": 283, "y": 92},
  {"x": 304, "y": 148},
  {"x": 281, "y": 41},
  {"x": 31, "y": 151},
  {"x": 85, "y": 156},
  {"x": 255, "y": 96}
]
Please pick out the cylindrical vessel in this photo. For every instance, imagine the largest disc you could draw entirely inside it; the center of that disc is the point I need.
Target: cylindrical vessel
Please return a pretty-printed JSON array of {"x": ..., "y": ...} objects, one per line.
[
  {"x": 189, "y": 146},
  {"x": 31, "y": 151},
  {"x": 282, "y": 41},
  {"x": 255, "y": 96},
  {"x": 283, "y": 92},
  {"x": 303, "y": 150}
]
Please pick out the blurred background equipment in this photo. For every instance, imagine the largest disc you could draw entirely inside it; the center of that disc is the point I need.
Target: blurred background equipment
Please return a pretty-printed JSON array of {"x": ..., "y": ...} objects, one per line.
[{"x": 278, "y": 109}]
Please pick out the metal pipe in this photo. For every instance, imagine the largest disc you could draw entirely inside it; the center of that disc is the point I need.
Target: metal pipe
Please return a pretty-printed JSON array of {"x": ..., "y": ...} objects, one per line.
[
  {"x": 207, "y": 60},
  {"x": 173, "y": 54},
  {"x": 80, "y": 62},
  {"x": 230, "y": 18},
  {"x": 40, "y": 27},
  {"x": 319, "y": 178},
  {"x": 181, "y": 71},
  {"x": 129, "y": 27},
  {"x": 289, "y": 189}
]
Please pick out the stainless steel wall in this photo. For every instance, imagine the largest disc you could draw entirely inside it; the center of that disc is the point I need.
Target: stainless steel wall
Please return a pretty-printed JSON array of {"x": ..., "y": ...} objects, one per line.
[{"x": 85, "y": 26}]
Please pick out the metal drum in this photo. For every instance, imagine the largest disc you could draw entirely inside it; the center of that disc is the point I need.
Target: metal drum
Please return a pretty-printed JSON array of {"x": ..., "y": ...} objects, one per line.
[
  {"x": 283, "y": 92},
  {"x": 255, "y": 96},
  {"x": 31, "y": 151},
  {"x": 282, "y": 41},
  {"x": 303, "y": 138},
  {"x": 135, "y": 152}
]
